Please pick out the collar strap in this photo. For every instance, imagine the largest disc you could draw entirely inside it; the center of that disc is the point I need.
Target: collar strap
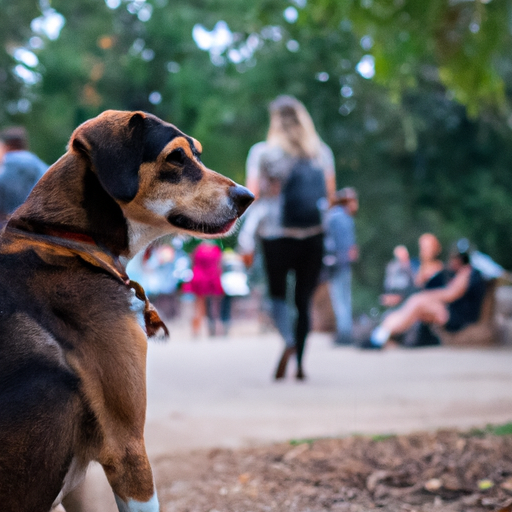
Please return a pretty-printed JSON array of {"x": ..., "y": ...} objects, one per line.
[
  {"x": 70, "y": 235},
  {"x": 85, "y": 248}
]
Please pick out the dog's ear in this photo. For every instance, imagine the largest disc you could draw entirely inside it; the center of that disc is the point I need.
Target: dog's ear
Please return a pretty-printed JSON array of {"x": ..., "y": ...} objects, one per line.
[{"x": 114, "y": 144}]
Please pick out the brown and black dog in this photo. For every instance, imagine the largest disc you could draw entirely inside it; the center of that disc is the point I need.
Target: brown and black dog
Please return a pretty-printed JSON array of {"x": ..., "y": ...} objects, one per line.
[{"x": 72, "y": 352}]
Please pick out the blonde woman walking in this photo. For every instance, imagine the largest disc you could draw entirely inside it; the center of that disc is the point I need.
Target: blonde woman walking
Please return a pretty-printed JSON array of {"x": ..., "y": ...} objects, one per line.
[{"x": 292, "y": 175}]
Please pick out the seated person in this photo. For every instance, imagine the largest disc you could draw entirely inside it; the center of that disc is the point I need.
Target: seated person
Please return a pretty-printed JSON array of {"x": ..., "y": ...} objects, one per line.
[
  {"x": 453, "y": 306},
  {"x": 401, "y": 281},
  {"x": 429, "y": 274},
  {"x": 398, "y": 279}
]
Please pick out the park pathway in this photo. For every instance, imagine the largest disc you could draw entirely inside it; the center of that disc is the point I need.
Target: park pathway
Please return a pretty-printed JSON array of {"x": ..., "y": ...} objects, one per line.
[{"x": 218, "y": 392}]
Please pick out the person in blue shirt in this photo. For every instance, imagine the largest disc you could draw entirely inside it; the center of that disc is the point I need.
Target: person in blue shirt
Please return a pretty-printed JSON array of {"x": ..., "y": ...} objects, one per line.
[
  {"x": 20, "y": 170},
  {"x": 340, "y": 252}
]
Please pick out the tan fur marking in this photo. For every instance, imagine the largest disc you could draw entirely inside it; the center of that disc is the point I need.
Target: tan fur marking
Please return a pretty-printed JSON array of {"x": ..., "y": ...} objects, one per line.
[
  {"x": 198, "y": 145},
  {"x": 179, "y": 142}
]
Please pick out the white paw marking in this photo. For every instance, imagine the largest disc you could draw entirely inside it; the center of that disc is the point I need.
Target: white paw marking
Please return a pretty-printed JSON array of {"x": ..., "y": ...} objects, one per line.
[{"x": 138, "y": 506}]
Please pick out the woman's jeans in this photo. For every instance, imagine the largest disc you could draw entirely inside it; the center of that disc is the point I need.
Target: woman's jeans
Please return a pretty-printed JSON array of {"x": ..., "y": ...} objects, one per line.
[{"x": 340, "y": 284}]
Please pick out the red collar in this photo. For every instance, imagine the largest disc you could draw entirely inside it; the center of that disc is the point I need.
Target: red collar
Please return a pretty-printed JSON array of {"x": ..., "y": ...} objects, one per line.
[{"x": 70, "y": 235}]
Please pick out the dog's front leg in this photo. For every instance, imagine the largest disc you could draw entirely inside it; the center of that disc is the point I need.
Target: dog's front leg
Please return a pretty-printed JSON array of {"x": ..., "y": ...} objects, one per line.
[
  {"x": 131, "y": 479},
  {"x": 117, "y": 396}
]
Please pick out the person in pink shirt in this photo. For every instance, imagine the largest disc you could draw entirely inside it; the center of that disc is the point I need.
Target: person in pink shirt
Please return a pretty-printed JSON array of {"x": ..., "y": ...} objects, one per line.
[{"x": 206, "y": 284}]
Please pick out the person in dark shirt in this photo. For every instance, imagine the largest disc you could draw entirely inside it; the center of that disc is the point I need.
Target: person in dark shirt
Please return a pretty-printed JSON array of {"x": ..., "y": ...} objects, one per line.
[
  {"x": 453, "y": 306},
  {"x": 20, "y": 170}
]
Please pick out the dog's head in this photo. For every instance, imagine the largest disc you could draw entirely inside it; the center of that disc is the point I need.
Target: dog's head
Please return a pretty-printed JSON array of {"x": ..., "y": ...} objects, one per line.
[{"x": 155, "y": 174}]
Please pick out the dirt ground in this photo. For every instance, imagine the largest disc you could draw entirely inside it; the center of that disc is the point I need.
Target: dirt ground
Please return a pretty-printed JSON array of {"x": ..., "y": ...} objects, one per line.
[
  {"x": 215, "y": 415},
  {"x": 447, "y": 471}
]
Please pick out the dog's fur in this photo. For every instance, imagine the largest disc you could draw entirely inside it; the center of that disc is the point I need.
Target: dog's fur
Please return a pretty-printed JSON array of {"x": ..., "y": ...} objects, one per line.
[{"x": 72, "y": 353}]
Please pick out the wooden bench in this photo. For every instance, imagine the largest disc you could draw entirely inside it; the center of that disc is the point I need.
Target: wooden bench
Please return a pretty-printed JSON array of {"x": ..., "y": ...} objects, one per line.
[
  {"x": 503, "y": 314},
  {"x": 483, "y": 333},
  {"x": 322, "y": 315}
]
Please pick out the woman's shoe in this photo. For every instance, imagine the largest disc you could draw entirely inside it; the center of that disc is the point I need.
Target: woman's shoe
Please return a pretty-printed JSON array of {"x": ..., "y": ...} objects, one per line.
[
  {"x": 300, "y": 374},
  {"x": 281, "y": 367}
]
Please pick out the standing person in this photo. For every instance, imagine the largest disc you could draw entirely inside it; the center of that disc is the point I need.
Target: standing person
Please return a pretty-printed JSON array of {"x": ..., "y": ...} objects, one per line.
[
  {"x": 206, "y": 285},
  {"x": 341, "y": 252},
  {"x": 290, "y": 173},
  {"x": 20, "y": 170},
  {"x": 234, "y": 283}
]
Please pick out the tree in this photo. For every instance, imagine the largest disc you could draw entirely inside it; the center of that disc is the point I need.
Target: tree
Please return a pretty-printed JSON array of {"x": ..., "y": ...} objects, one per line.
[
  {"x": 15, "y": 32},
  {"x": 412, "y": 97}
]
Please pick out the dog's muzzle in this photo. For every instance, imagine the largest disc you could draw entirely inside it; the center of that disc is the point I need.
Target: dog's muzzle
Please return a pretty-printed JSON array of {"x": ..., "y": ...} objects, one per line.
[{"x": 238, "y": 200}]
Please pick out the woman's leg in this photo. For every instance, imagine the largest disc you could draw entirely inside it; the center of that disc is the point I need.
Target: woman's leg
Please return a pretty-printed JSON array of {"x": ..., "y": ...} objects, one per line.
[
  {"x": 308, "y": 264},
  {"x": 341, "y": 299},
  {"x": 225, "y": 313},
  {"x": 210, "y": 315},
  {"x": 419, "y": 307},
  {"x": 199, "y": 312},
  {"x": 277, "y": 265}
]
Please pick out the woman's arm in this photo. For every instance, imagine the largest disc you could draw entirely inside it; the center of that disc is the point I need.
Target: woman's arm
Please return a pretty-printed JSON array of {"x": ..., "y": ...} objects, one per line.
[
  {"x": 252, "y": 169},
  {"x": 330, "y": 185},
  {"x": 454, "y": 290},
  {"x": 329, "y": 171}
]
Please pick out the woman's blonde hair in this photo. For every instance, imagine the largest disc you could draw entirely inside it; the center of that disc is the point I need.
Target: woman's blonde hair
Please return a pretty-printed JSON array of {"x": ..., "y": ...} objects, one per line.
[{"x": 292, "y": 128}]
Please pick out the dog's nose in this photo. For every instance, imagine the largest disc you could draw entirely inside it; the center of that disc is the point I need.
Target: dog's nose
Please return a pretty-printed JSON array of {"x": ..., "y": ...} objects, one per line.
[{"x": 241, "y": 198}]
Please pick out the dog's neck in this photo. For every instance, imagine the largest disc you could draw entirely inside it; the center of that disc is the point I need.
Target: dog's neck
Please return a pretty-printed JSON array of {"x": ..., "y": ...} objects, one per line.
[
  {"x": 79, "y": 205},
  {"x": 76, "y": 245}
]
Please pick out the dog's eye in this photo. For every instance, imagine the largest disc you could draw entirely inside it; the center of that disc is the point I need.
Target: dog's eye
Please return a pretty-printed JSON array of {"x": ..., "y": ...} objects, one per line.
[{"x": 176, "y": 157}]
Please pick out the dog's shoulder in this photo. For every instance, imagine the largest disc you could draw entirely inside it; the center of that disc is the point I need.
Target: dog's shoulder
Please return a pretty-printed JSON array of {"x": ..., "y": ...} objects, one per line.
[{"x": 65, "y": 296}]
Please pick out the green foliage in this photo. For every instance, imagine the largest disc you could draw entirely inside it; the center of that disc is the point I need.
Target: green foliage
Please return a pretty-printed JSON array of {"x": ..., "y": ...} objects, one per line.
[
  {"x": 426, "y": 141},
  {"x": 493, "y": 430},
  {"x": 15, "y": 18},
  {"x": 464, "y": 40},
  {"x": 382, "y": 437},
  {"x": 309, "y": 441}
]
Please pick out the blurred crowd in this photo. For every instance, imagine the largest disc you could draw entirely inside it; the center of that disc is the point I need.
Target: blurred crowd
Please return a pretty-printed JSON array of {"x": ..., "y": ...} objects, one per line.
[
  {"x": 205, "y": 274},
  {"x": 300, "y": 232}
]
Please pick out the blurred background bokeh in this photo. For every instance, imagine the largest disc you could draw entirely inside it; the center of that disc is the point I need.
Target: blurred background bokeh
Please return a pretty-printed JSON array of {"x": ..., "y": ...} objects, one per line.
[{"x": 412, "y": 96}]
